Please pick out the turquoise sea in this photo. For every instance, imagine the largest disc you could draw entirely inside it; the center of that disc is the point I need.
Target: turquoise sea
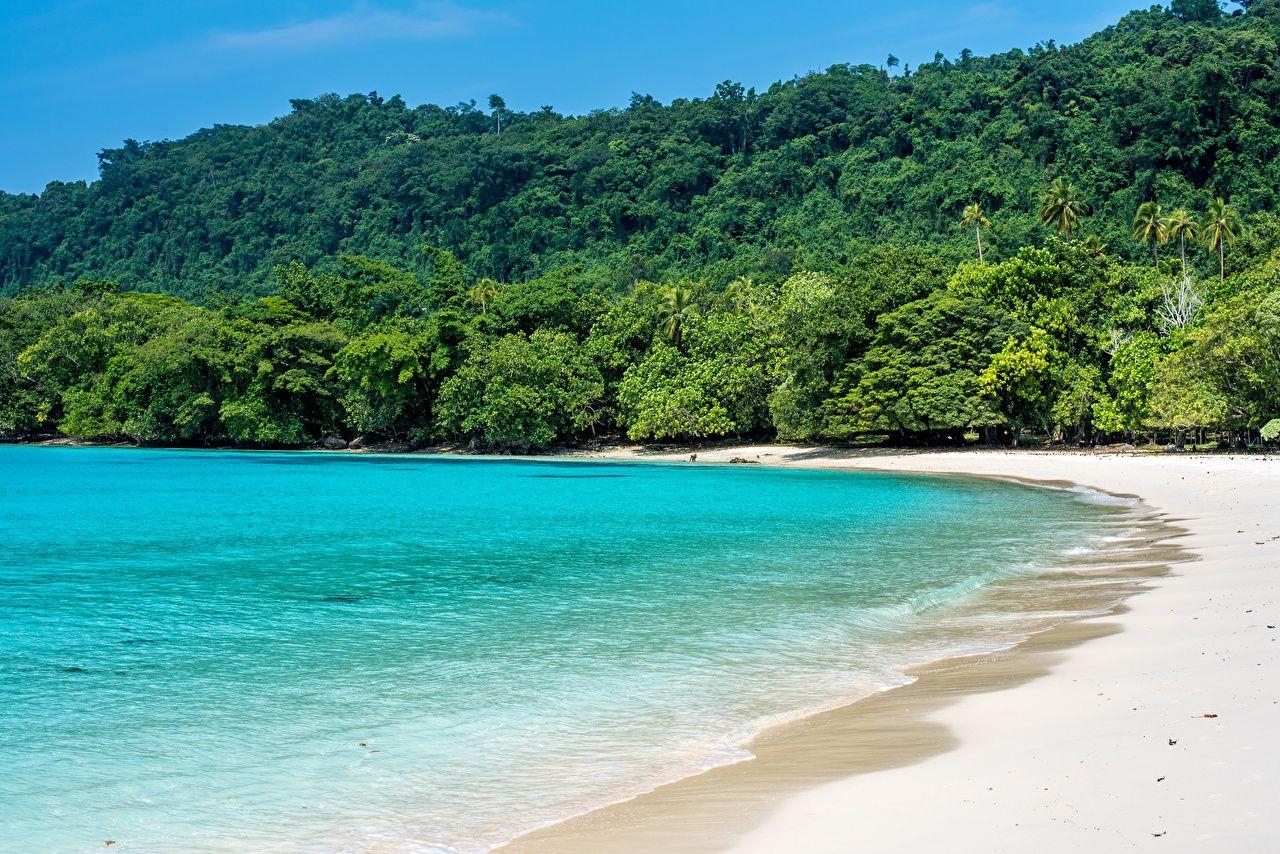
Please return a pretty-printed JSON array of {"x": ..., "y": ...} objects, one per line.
[{"x": 208, "y": 650}]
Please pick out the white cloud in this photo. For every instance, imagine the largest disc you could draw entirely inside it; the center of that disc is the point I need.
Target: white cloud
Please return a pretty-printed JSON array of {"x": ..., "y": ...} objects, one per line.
[
  {"x": 363, "y": 24},
  {"x": 986, "y": 11}
]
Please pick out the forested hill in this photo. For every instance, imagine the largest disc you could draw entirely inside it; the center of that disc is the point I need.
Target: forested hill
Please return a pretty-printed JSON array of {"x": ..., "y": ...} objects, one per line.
[{"x": 1165, "y": 104}]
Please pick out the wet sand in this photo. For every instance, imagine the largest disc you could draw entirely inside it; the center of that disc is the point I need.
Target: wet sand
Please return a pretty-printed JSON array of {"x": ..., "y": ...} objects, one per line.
[{"x": 1006, "y": 760}]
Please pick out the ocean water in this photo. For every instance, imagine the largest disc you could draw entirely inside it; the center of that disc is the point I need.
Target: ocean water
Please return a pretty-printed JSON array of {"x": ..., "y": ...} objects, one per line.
[{"x": 207, "y": 650}]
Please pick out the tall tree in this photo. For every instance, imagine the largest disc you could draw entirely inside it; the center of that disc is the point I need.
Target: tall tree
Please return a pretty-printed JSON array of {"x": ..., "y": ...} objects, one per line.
[
  {"x": 497, "y": 105},
  {"x": 1061, "y": 207},
  {"x": 1181, "y": 225},
  {"x": 973, "y": 217},
  {"x": 675, "y": 311},
  {"x": 1220, "y": 225},
  {"x": 482, "y": 293},
  {"x": 740, "y": 296},
  {"x": 1149, "y": 227}
]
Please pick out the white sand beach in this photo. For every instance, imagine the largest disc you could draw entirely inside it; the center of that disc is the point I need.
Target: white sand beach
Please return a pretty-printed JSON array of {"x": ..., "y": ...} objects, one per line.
[{"x": 1153, "y": 728}]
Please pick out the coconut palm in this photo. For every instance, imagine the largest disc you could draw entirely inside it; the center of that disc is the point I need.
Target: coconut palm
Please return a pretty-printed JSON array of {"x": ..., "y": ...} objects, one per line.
[
  {"x": 1219, "y": 226},
  {"x": 1060, "y": 207},
  {"x": 1182, "y": 226},
  {"x": 972, "y": 216},
  {"x": 1148, "y": 227},
  {"x": 675, "y": 311},
  {"x": 740, "y": 296},
  {"x": 482, "y": 293},
  {"x": 1094, "y": 246}
]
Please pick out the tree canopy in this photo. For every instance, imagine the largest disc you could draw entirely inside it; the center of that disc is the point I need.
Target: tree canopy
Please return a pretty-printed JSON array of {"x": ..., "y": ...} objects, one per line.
[
  {"x": 1166, "y": 105},
  {"x": 971, "y": 248}
]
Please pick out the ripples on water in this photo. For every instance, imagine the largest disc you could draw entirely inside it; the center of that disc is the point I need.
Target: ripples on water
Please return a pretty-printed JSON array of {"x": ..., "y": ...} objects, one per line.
[{"x": 213, "y": 650}]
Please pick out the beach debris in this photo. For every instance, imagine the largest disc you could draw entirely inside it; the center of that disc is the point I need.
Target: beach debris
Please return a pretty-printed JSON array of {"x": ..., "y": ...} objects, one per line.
[
  {"x": 1209, "y": 715},
  {"x": 1161, "y": 833},
  {"x": 1172, "y": 742},
  {"x": 1159, "y": 779},
  {"x": 110, "y": 842},
  {"x": 1270, "y": 625},
  {"x": 362, "y": 744},
  {"x": 374, "y": 750}
]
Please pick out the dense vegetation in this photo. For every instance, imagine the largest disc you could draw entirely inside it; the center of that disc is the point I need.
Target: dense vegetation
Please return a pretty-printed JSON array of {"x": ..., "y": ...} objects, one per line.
[{"x": 1070, "y": 243}]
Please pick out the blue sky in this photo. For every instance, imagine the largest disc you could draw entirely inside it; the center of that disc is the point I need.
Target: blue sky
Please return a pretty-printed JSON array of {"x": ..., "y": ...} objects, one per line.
[{"x": 78, "y": 76}]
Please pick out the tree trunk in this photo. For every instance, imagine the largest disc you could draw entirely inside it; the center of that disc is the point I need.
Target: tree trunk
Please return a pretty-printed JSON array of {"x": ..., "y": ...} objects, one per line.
[
  {"x": 1222, "y": 266},
  {"x": 978, "y": 231},
  {"x": 1182, "y": 245}
]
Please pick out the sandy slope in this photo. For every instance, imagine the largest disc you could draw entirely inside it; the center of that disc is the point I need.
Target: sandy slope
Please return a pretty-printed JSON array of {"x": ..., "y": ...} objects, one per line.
[{"x": 1081, "y": 760}]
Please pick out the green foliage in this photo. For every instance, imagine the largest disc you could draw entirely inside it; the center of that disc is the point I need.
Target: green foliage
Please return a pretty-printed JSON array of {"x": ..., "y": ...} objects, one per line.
[
  {"x": 141, "y": 366},
  {"x": 975, "y": 219},
  {"x": 1020, "y": 379},
  {"x": 282, "y": 392},
  {"x": 564, "y": 300},
  {"x": 675, "y": 312},
  {"x": 795, "y": 263},
  {"x": 390, "y": 375},
  {"x": 718, "y": 387},
  {"x": 1126, "y": 408},
  {"x": 921, "y": 373},
  {"x": 1149, "y": 227},
  {"x": 1182, "y": 400},
  {"x": 1169, "y": 105},
  {"x": 1219, "y": 227},
  {"x": 1235, "y": 347},
  {"x": 26, "y": 406},
  {"x": 523, "y": 392},
  {"x": 1061, "y": 207}
]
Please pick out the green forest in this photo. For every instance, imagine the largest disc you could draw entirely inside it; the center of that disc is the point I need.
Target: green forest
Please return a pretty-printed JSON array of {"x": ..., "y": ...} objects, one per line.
[{"x": 1066, "y": 244}]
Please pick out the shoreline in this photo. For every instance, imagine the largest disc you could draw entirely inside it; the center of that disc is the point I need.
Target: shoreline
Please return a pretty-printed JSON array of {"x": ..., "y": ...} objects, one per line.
[
  {"x": 718, "y": 451},
  {"x": 821, "y": 778},
  {"x": 1152, "y": 722}
]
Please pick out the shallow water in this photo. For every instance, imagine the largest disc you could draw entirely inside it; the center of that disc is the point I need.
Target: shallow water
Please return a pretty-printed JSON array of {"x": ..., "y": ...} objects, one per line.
[{"x": 217, "y": 650}]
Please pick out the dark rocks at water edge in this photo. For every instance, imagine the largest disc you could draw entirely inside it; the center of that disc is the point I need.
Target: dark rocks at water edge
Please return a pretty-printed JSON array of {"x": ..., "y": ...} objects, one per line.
[{"x": 365, "y": 443}]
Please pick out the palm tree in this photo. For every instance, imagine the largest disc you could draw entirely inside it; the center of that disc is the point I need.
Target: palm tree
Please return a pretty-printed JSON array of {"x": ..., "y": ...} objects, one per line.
[
  {"x": 972, "y": 216},
  {"x": 676, "y": 309},
  {"x": 1148, "y": 227},
  {"x": 1220, "y": 226},
  {"x": 1181, "y": 225},
  {"x": 482, "y": 292},
  {"x": 1060, "y": 206},
  {"x": 740, "y": 295},
  {"x": 1094, "y": 246}
]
